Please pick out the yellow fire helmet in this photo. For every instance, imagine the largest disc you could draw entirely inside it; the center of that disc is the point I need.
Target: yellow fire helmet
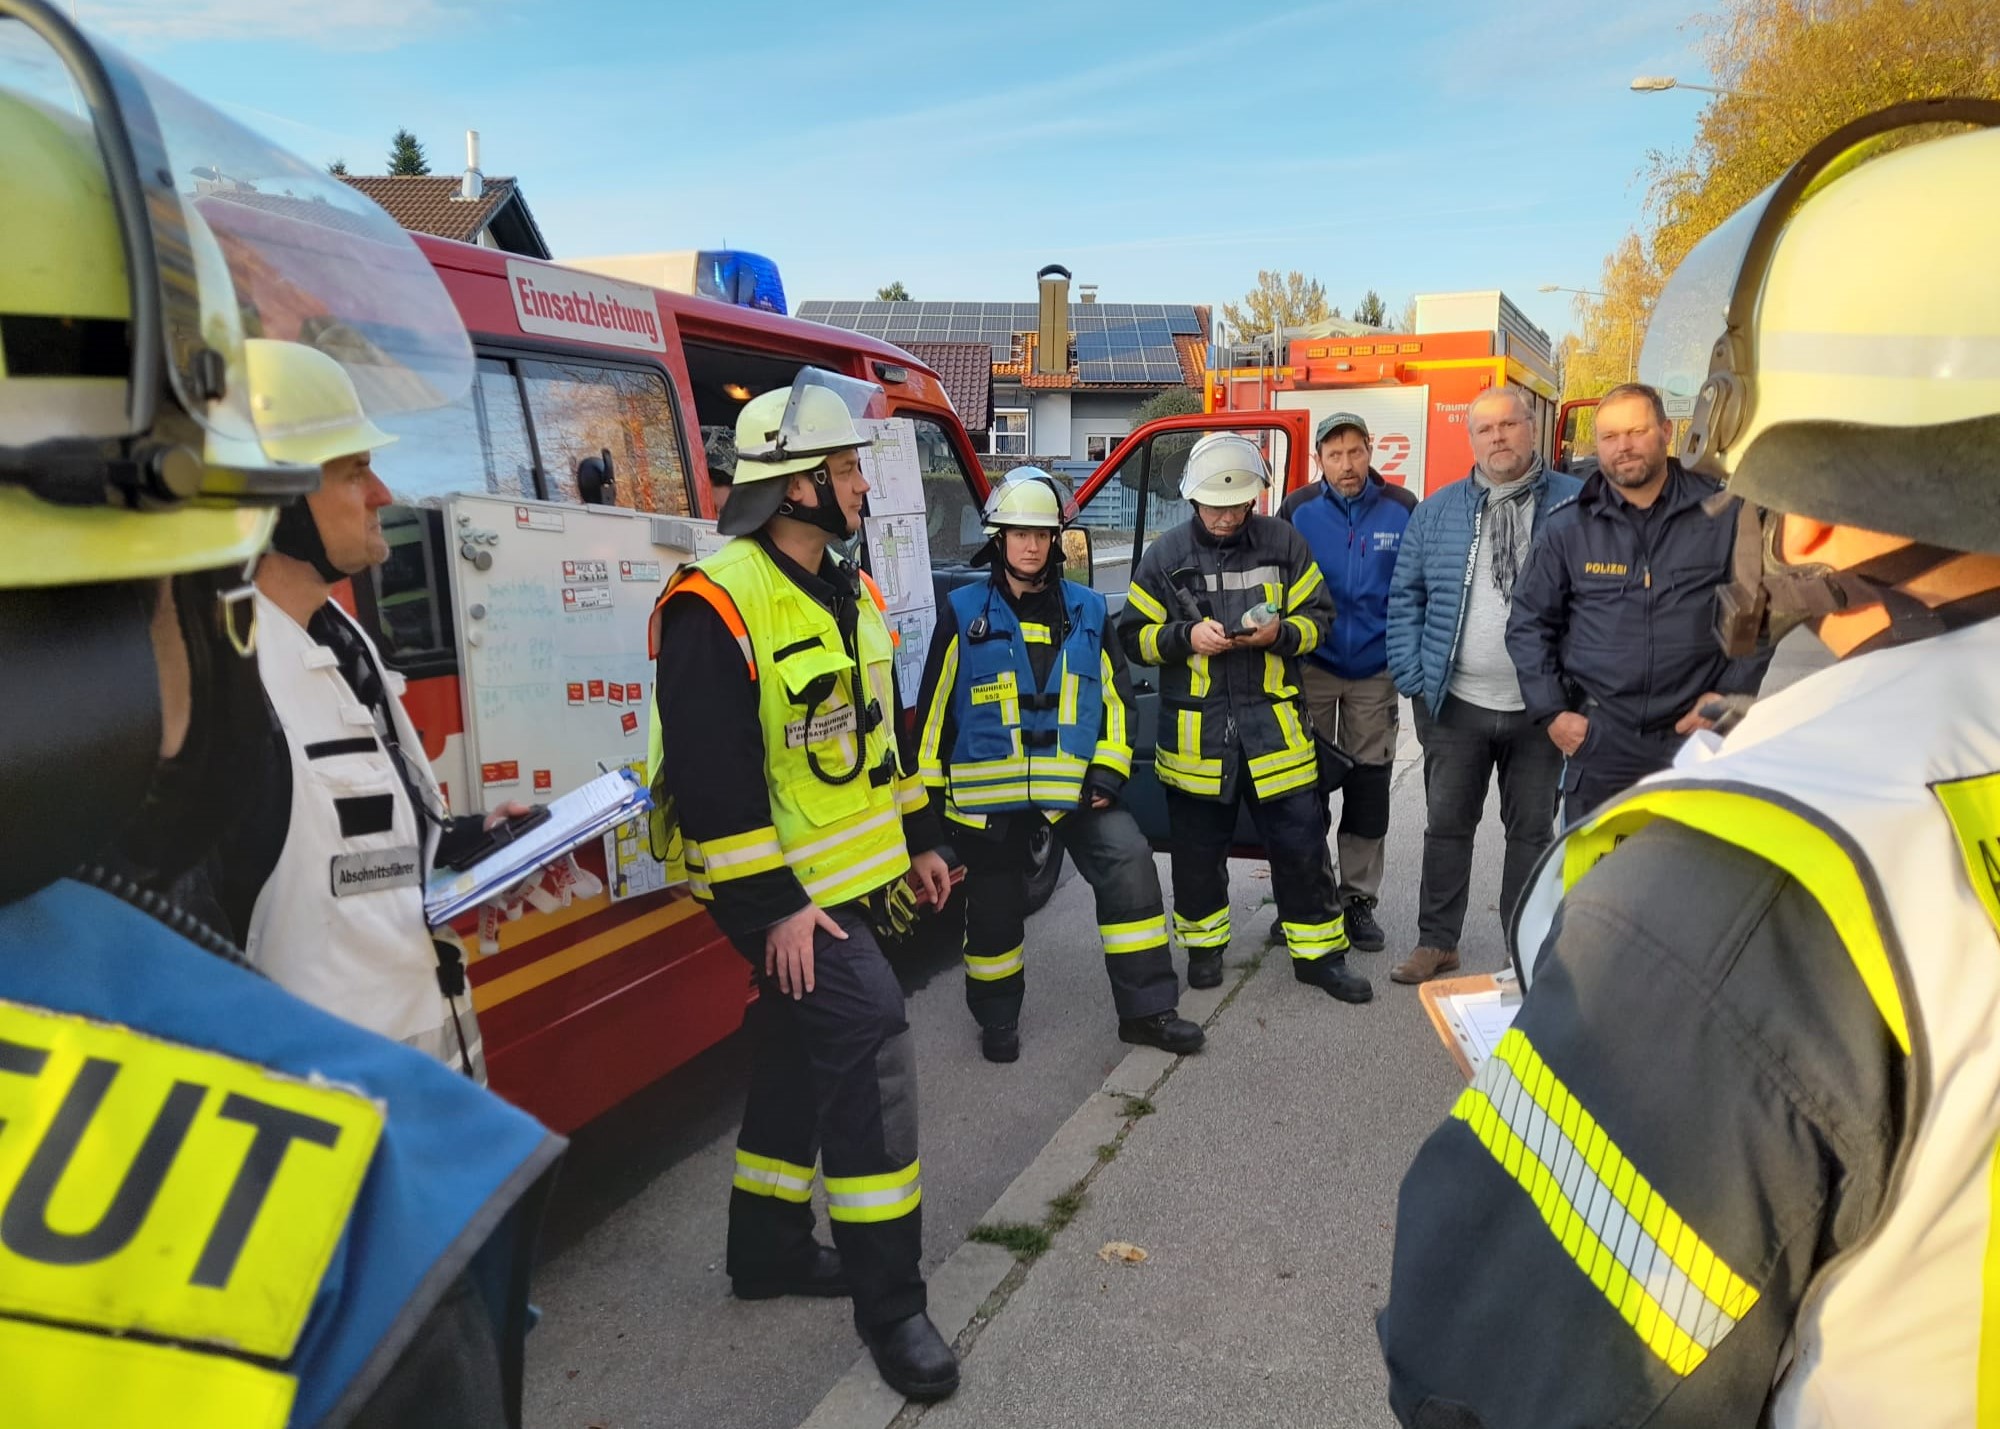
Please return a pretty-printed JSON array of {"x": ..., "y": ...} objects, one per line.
[
  {"x": 305, "y": 405},
  {"x": 787, "y": 431},
  {"x": 142, "y": 235},
  {"x": 1840, "y": 336},
  {"x": 65, "y": 370}
]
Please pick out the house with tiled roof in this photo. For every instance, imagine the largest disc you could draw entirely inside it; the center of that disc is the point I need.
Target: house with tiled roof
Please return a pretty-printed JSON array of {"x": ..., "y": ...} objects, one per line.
[
  {"x": 1066, "y": 378},
  {"x": 469, "y": 207}
]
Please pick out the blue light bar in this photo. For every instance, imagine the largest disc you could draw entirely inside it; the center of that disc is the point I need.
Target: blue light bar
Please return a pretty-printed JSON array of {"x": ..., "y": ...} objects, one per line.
[{"x": 749, "y": 280}]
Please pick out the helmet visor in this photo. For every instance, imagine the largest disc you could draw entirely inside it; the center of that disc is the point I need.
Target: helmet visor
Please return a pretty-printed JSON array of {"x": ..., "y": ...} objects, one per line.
[
  {"x": 802, "y": 431},
  {"x": 1693, "y": 310},
  {"x": 237, "y": 237}
]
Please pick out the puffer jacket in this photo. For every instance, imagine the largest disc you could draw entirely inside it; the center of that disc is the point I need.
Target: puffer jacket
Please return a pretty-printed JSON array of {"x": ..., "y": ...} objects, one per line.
[{"x": 1433, "y": 570}]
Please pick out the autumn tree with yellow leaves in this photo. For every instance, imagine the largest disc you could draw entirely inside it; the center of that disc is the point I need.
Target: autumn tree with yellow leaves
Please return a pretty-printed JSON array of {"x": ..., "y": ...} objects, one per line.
[{"x": 1797, "y": 69}]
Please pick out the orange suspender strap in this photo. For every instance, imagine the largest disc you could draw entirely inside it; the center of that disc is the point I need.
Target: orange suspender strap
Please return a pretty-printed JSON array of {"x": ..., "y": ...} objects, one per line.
[
  {"x": 695, "y": 582},
  {"x": 881, "y": 605}
]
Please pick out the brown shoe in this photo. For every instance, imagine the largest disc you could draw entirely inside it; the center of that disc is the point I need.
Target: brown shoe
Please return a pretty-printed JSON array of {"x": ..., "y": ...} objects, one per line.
[{"x": 1424, "y": 963}]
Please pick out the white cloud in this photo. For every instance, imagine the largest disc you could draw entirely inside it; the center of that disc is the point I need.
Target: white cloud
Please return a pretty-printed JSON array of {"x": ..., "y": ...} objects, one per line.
[{"x": 347, "y": 24}]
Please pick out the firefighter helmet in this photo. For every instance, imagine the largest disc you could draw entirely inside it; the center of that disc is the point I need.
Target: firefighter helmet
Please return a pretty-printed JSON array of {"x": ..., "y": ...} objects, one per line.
[
  {"x": 1028, "y": 497},
  {"x": 788, "y": 431},
  {"x": 1224, "y": 469},
  {"x": 1873, "y": 404},
  {"x": 305, "y": 405}
]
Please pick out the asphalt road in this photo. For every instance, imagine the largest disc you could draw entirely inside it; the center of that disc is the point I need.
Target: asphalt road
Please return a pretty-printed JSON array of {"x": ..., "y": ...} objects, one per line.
[{"x": 639, "y": 1328}]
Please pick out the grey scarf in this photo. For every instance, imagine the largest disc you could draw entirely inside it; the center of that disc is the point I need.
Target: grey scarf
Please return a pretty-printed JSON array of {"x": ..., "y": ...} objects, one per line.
[{"x": 1510, "y": 523}]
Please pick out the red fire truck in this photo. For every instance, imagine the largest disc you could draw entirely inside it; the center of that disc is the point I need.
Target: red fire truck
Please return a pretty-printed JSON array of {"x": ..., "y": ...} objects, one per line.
[
  {"x": 1411, "y": 388},
  {"x": 539, "y": 518}
]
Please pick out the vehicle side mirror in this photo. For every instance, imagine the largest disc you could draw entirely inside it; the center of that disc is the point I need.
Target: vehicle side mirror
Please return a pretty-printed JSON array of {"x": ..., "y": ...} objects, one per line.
[
  {"x": 1079, "y": 557},
  {"x": 595, "y": 483}
]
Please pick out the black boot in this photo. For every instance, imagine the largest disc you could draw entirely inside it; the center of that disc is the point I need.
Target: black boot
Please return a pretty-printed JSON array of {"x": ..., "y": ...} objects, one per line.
[
  {"x": 1001, "y": 1044},
  {"x": 1204, "y": 969},
  {"x": 913, "y": 1357},
  {"x": 1332, "y": 975},
  {"x": 821, "y": 1276},
  {"x": 1163, "y": 1030},
  {"x": 1364, "y": 934}
]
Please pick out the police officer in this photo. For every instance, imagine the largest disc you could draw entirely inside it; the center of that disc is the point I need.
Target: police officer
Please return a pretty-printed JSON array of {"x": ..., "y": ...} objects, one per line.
[
  {"x": 323, "y": 880},
  {"x": 1025, "y": 703},
  {"x": 779, "y": 738},
  {"x": 220, "y": 1205},
  {"x": 1225, "y": 606},
  {"x": 1733, "y": 1164}
]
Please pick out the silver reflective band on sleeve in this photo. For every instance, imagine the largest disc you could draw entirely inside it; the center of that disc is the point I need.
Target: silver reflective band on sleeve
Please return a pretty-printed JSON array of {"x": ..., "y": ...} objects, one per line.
[{"x": 1675, "y": 1293}]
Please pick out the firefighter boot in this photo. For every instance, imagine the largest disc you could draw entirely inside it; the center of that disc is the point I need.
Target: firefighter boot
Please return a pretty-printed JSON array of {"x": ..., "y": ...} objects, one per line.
[
  {"x": 1205, "y": 969},
  {"x": 913, "y": 1358},
  {"x": 1002, "y": 1043},
  {"x": 820, "y": 1276},
  {"x": 1332, "y": 975},
  {"x": 1165, "y": 1030}
]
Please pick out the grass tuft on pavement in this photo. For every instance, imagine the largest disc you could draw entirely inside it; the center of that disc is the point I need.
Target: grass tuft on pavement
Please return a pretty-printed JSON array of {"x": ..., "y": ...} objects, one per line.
[
  {"x": 1023, "y": 1240},
  {"x": 1064, "y": 1208},
  {"x": 1138, "y": 1106}
]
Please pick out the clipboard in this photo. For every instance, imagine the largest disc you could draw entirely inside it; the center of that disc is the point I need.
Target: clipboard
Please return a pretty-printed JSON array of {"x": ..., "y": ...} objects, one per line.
[
  {"x": 576, "y": 818},
  {"x": 1470, "y": 1013}
]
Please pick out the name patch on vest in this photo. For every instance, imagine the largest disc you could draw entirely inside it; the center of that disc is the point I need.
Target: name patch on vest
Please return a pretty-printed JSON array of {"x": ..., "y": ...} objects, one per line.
[
  {"x": 994, "y": 692},
  {"x": 1973, "y": 806},
  {"x": 831, "y": 725},
  {"x": 371, "y": 872},
  {"x": 1606, "y": 568},
  {"x": 147, "y": 1186}
]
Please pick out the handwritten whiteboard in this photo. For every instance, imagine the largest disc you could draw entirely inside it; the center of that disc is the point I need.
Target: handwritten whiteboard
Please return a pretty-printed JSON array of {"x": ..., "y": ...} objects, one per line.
[{"x": 556, "y": 676}]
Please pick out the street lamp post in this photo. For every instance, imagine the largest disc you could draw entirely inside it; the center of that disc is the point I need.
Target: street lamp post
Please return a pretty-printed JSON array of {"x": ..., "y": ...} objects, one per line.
[
  {"x": 1660, "y": 83},
  {"x": 1631, "y": 326}
]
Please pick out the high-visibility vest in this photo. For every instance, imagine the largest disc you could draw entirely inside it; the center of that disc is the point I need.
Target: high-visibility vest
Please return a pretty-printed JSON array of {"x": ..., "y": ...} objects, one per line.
[
  {"x": 1017, "y": 745},
  {"x": 1876, "y": 785},
  {"x": 224, "y": 1206},
  {"x": 340, "y": 922},
  {"x": 839, "y": 827}
]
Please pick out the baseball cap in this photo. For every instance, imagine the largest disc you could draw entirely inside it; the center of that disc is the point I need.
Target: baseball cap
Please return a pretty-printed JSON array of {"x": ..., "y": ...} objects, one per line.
[{"x": 1331, "y": 424}]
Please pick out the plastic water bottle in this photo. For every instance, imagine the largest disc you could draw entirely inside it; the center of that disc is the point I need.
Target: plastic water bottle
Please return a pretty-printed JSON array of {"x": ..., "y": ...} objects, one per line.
[{"x": 1260, "y": 615}]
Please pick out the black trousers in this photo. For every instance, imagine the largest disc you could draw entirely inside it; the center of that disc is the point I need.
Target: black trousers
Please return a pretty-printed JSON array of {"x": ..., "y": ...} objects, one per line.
[
  {"x": 1293, "y": 830},
  {"x": 834, "y": 1080},
  {"x": 1115, "y": 860},
  {"x": 1463, "y": 745},
  {"x": 1611, "y": 760}
]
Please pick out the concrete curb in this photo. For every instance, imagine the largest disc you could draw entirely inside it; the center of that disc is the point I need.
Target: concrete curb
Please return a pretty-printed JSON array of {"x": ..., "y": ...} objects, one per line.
[{"x": 962, "y": 1287}]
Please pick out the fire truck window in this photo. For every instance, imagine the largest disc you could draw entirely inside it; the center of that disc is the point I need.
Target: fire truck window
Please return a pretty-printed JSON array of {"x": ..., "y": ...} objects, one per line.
[
  {"x": 477, "y": 444},
  {"x": 1164, "y": 509},
  {"x": 581, "y": 410},
  {"x": 952, "y": 515}
]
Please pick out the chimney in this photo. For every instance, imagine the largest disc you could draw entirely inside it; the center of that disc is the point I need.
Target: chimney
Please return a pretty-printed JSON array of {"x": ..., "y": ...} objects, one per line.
[
  {"x": 1086, "y": 293},
  {"x": 1052, "y": 347},
  {"x": 472, "y": 187}
]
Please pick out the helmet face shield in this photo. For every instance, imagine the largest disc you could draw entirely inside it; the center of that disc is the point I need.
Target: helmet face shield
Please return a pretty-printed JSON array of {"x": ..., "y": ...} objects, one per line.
[
  {"x": 225, "y": 236},
  {"x": 1028, "y": 498},
  {"x": 818, "y": 421}
]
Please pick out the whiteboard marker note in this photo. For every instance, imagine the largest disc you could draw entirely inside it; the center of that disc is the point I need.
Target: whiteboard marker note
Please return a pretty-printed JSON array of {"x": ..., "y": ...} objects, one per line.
[{"x": 531, "y": 518}]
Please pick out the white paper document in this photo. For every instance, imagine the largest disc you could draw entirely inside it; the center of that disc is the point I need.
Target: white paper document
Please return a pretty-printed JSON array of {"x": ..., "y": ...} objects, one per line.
[
  {"x": 1479, "y": 1020},
  {"x": 895, "y": 474},
  {"x": 577, "y": 817}
]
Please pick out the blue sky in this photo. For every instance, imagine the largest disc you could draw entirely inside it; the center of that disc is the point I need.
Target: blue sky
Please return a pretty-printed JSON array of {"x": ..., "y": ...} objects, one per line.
[{"x": 1164, "y": 151}]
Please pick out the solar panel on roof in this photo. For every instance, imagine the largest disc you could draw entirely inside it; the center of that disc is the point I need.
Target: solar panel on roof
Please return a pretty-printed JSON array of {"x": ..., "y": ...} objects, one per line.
[{"x": 1098, "y": 371}]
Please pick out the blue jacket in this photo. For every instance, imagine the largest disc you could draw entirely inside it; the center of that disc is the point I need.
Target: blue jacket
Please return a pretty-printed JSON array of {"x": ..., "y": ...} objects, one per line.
[
  {"x": 1355, "y": 544},
  {"x": 1427, "y": 596},
  {"x": 332, "y": 1186}
]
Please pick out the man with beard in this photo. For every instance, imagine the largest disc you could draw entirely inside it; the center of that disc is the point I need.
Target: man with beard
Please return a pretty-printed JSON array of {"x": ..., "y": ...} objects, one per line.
[{"x": 1611, "y": 628}]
